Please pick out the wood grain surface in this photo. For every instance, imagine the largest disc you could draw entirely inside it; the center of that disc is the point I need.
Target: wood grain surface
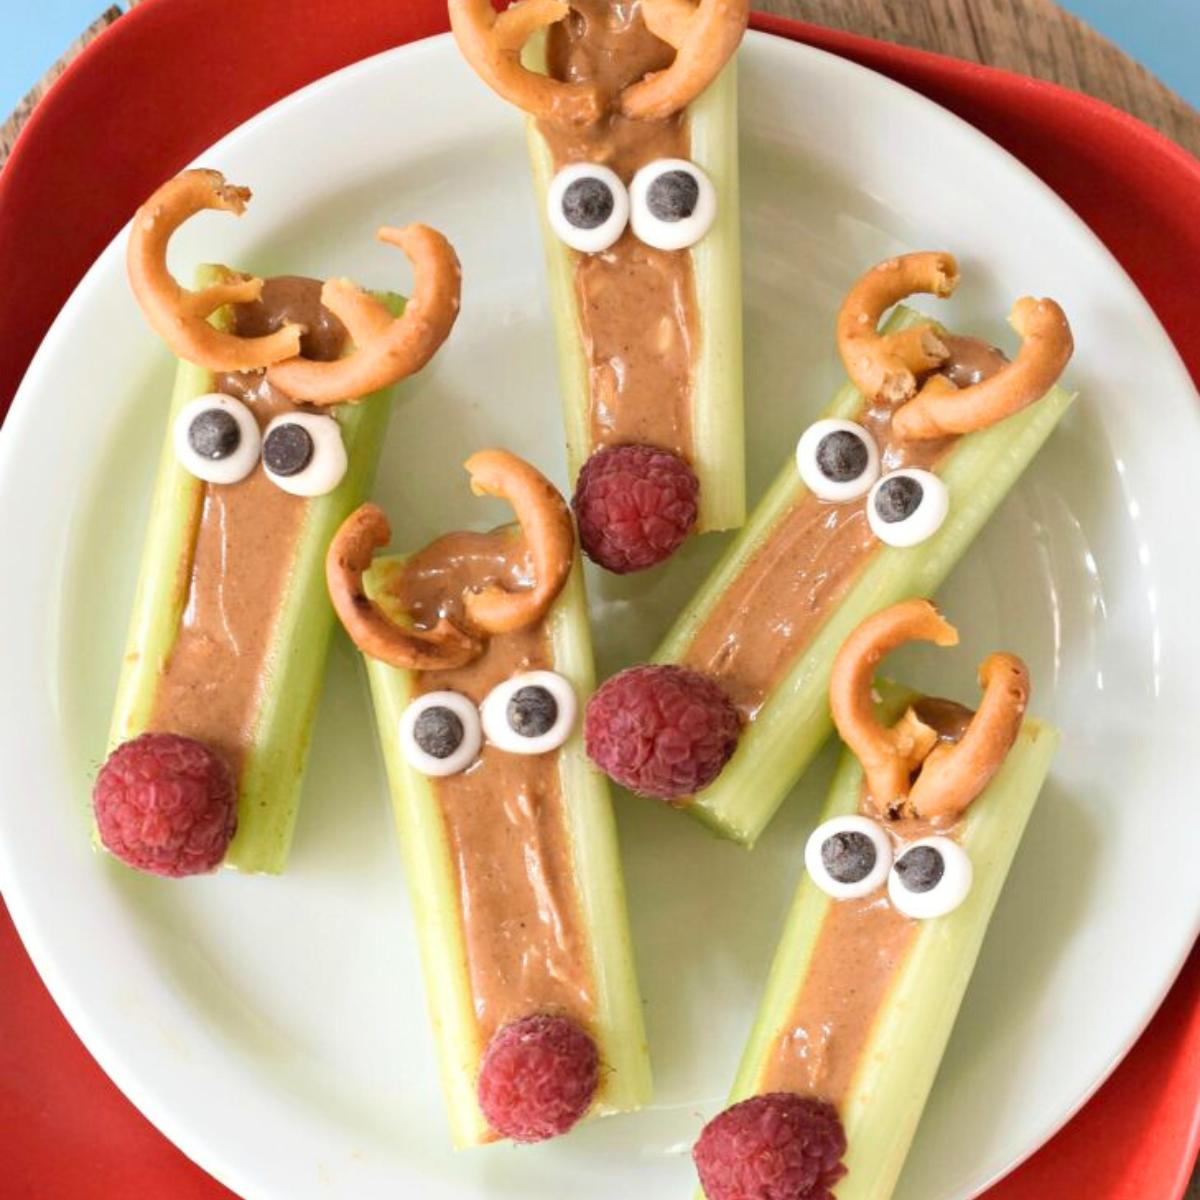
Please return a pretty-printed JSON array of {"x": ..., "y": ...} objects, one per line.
[{"x": 1032, "y": 37}]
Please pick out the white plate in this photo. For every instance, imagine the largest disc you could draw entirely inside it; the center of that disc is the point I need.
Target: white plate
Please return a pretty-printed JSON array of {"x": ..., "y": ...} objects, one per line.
[{"x": 276, "y": 1029}]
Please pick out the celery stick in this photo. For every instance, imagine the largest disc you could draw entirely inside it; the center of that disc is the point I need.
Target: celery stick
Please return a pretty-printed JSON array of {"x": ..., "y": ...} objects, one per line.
[
  {"x": 898, "y": 1064},
  {"x": 433, "y": 887},
  {"x": 794, "y": 721},
  {"x": 718, "y": 439},
  {"x": 269, "y": 788}
]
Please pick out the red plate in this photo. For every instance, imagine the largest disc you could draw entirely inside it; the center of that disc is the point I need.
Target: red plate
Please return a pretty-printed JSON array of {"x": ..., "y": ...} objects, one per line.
[{"x": 172, "y": 77}]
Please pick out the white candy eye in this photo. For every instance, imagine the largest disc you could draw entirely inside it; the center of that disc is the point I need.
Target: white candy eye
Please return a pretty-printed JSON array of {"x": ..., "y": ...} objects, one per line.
[
  {"x": 930, "y": 878},
  {"x": 588, "y": 207},
  {"x": 907, "y": 506},
  {"x": 673, "y": 204},
  {"x": 848, "y": 857},
  {"x": 440, "y": 733},
  {"x": 303, "y": 453},
  {"x": 531, "y": 713},
  {"x": 838, "y": 460},
  {"x": 217, "y": 439}
]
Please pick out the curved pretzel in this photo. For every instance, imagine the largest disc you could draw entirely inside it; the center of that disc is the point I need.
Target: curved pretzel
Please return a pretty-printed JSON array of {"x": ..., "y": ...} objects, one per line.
[
  {"x": 446, "y": 645},
  {"x": 951, "y": 776},
  {"x": 492, "y": 42},
  {"x": 705, "y": 37},
  {"x": 940, "y": 408},
  {"x": 180, "y": 316},
  {"x": 386, "y": 348},
  {"x": 886, "y": 365},
  {"x": 546, "y": 525}
]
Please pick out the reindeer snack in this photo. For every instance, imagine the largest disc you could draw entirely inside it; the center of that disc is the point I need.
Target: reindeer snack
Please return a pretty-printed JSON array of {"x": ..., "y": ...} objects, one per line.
[
  {"x": 902, "y": 876},
  {"x": 280, "y": 405},
  {"x": 478, "y": 653},
  {"x": 884, "y": 494},
  {"x": 632, "y": 129}
]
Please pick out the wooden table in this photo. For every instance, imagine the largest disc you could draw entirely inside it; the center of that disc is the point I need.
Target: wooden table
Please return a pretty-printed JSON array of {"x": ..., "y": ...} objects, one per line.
[{"x": 1032, "y": 37}]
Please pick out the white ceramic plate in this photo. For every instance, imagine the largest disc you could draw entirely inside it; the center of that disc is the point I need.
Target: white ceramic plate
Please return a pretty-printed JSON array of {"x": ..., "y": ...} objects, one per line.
[{"x": 276, "y": 1029}]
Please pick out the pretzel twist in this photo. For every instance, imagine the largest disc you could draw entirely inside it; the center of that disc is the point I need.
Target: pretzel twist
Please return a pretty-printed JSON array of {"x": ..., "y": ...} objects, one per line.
[
  {"x": 940, "y": 409},
  {"x": 178, "y": 315},
  {"x": 948, "y": 777},
  {"x": 885, "y": 365},
  {"x": 386, "y": 348},
  {"x": 548, "y": 533}
]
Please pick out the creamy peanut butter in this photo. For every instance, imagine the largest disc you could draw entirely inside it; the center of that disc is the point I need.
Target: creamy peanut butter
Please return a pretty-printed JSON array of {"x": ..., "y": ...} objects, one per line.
[
  {"x": 504, "y": 816},
  {"x": 807, "y": 563},
  {"x": 245, "y": 540},
  {"x": 859, "y": 951},
  {"x": 637, "y": 305}
]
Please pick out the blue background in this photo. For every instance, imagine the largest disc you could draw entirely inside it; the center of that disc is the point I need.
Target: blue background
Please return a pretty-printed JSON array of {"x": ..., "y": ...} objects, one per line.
[{"x": 1163, "y": 34}]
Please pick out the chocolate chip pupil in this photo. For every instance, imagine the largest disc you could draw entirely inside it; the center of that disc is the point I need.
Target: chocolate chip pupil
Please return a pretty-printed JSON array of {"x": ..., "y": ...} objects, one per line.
[
  {"x": 532, "y": 711},
  {"x": 288, "y": 449},
  {"x": 921, "y": 869},
  {"x": 898, "y": 498},
  {"x": 849, "y": 856},
  {"x": 438, "y": 732},
  {"x": 842, "y": 456},
  {"x": 587, "y": 203},
  {"x": 673, "y": 196},
  {"x": 214, "y": 434}
]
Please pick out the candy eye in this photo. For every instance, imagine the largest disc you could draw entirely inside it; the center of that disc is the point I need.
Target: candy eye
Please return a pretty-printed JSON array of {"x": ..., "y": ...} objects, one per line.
[
  {"x": 907, "y": 506},
  {"x": 848, "y": 857},
  {"x": 217, "y": 439},
  {"x": 673, "y": 204},
  {"x": 838, "y": 460},
  {"x": 440, "y": 733},
  {"x": 303, "y": 454},
  {"x": 930, "y": 878},
  {"x": 531, "y": 713},
  {"x": 588, "y": 207}
]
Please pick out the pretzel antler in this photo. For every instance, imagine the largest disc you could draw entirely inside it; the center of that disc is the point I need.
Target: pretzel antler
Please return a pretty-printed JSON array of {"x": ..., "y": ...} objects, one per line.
[
  {"x": 446, "y": 645},
  {"x": 950, "y": 776},
  {"x": 180, "y": 316},
  {"x": 886, "y": 365},
  {"x": 940, "y": 409},
  {"x": 705, "y": 37},
  {"x": 386, "y": 348},
  {"x": 546, "y": 526},
  {"x": 492, "y": 42}
]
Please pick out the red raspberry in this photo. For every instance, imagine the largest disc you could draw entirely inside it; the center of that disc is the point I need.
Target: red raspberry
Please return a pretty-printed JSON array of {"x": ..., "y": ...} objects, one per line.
[
  {"x": 166, "y": 804},
  {"x": 634, "y": 505},
  {"x": 538, "y": 1078},
  {"x": 664, "y": 732},
  {"x": 774, "y": 1147}
]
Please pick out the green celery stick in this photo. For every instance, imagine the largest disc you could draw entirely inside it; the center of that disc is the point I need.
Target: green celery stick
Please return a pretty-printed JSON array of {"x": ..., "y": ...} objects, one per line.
[
  {"x": 269, "y": 788},
  {"x": 898, "y": 1064},
  {"x": 718, "y": 448},
  {"x": 433, "y": 886},
  {"x": 794, "y": 721}
]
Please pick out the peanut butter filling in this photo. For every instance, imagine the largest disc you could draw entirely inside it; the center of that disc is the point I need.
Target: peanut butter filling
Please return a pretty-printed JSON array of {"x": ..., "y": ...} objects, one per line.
[
  {"x": 807, "y": 563},
  {"x": 504, "y": 817},
  {"x": 859, "y": 952},
  {"x": 245, "y": 541},
  {"x": 636, "y": 304}
]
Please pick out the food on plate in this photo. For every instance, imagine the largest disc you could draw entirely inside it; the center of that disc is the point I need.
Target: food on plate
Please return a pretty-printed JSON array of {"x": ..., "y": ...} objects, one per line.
[
  {"x": 883, "y": 495},
  {"x": 903, "y": 872},
  {"x": 478, "y": 651},
  {"x": 280, "y": 403},
  {"x": 632, "y": 128}
]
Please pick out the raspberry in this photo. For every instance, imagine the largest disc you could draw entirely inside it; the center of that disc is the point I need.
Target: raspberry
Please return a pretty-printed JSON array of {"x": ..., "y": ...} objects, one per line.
[
  {"x": 634, "y": 505},
  {"x": 661, "y": 731},
  {"x": 166, "y": 804},
  {"x": 774, "y": 1147},
  {"x": 538, "y": 1078}
]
